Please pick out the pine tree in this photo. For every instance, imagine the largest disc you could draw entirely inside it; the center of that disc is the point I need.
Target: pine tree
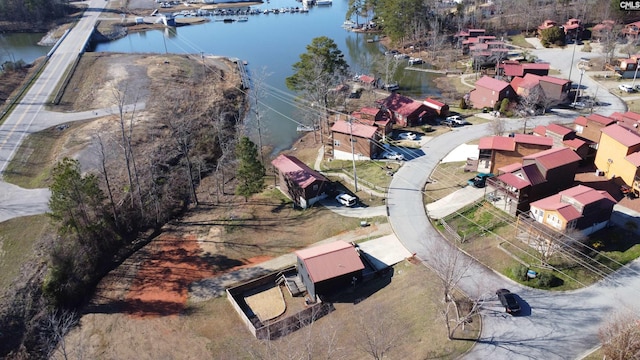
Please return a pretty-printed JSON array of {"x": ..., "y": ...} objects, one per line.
[{"x": 250, "y": 171}]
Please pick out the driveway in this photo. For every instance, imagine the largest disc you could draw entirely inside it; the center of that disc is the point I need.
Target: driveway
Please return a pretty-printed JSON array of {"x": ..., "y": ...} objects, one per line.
[{"x": 553, "y": 325}]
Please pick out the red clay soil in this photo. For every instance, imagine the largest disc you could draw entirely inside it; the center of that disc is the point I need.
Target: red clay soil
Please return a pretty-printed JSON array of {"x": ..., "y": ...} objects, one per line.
[{"x": 161, "y": 285}]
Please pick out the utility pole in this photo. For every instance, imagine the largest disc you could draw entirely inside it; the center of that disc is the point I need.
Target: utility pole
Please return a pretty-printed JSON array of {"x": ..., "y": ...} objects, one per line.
[{"x": 353, "y": 155}]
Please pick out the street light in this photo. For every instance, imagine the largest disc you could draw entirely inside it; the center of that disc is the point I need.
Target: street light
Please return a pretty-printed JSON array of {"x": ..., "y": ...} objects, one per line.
[{"x": 582, "y": 71}]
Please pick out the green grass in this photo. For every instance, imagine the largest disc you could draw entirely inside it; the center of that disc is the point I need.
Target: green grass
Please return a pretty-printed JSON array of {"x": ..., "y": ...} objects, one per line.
[
  {"x": 17, "y": 239},
  {"x": 370, "y": 172},
  {"x": 31, "y": 166},
  {"x": 519, "y": 40}
]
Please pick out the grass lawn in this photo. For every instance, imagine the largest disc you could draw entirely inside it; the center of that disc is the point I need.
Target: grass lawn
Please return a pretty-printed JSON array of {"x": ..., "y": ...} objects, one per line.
[
  {"x": 519, "y": 40},
  {"x": 17, "y": 244},
  {"x": 446, "y": 179}
]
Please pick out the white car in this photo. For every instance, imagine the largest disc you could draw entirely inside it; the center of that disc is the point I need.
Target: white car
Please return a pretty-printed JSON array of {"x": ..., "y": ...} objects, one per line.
[
  {"x": 407, "y": 136},
  {"x": 392, "y": 155},
  {"x": 415, "y": 61},
  {"x": 625, "y": 88},
  {"x": 454, "y": 120},
  {"x": 346, "y": 199}
]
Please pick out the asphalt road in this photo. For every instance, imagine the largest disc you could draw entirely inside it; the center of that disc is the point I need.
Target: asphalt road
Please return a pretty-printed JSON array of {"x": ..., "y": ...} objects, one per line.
[
  {"x": 552, "y": 325},
  {"x": 30, "y": 116}
]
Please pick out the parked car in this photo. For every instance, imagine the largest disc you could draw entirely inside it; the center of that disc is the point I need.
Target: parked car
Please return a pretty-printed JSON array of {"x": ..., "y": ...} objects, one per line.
[
  {"x": 391, "y": 52},
  {"x": 509, "y": 301},
  {"x": 407, "y": 136},
  {"x": 454, "y": 121},
  {"x": 392, "y": 155},
  {"x": 346, "y": 199},
  {"x": 626, "y": 88},
  {"x": 391, "y": 87},
  {"x": 415, "y": 61},
  {"x": 479, "y": 180},
  {"x": 401, "y": 56},
  {"x": 578, "y": 105}
]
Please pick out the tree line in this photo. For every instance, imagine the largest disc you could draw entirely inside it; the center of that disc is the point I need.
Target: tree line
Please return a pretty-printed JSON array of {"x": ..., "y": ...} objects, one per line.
[{"x": 33, "y": 11}]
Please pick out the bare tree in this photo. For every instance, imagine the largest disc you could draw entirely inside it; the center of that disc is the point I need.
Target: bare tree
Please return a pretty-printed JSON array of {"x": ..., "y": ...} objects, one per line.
[
  {"x": 528, "y": 104},
  {"x": 257, "y": 94},
  {"x": 57, "y": 325},
  {"x": 378, "y": 333},
  {"x": 498, "y": 126},
  {"x": 104, "y": 171},
  {"x": 450, "y": 264},
  {"x": 460, "y": 312},
  {"x": 620, "y": 336}
]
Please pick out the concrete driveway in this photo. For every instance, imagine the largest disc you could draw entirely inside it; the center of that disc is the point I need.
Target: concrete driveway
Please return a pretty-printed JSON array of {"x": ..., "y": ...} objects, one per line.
[{"x": 553, "y": 325}]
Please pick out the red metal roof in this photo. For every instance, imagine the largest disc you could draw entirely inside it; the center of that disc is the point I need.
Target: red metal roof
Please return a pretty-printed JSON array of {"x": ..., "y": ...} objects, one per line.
[
  {"x": 554, "y": 80},
  {"x": 574, "y": 143},
  {"x": 497, "y": 143},
  {"x": 536, "y": 66},
  {"x": 401, "y": 104},
  {"x": 581, "y": 120},
  {"x": 491, "y": 83},
  {"x": 354, "y": 128},
  {"x": 510, "y": 168},
  {"x": 631, "y": 115},
  {"x": 297, "y": 171},
  {"x": 554, "y": 158},
  {"x": 621, "y": 135},
  {"x": 434, "y": 104},
  {"x": 516, "y": 82},
  {"x": 540, "y": 130},
  {"x": 562, "y": 201},
  {"x": 370, "y": 111},
  {"x": 529, "y": 81},
  {"x": 512, "y": 180},
  {"x": 367, "y": 79},
  {"x": 634, "y": 158},
  {"x": 330, "y": 260},
  {"x": 532, "y": 174},
  {"x": 559, "y": 129},
  {"x": 604, "y": 120},
  {"x": 533, "y": 139}
]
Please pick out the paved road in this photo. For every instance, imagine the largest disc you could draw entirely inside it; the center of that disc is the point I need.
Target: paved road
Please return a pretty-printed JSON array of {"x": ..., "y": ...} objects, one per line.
[
  {"x": 30, "y": 116},
  {"x": 553, "y": 325}
]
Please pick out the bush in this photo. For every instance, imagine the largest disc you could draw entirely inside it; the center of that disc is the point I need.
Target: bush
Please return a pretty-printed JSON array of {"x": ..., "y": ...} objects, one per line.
[
  {"x": 520, "y": 272},
  {"x": 504, "y": 105},
  {"x": 428, "y": 129},
  {"x": 463, "y": 104},
  {"x": 548, "y": 280}
]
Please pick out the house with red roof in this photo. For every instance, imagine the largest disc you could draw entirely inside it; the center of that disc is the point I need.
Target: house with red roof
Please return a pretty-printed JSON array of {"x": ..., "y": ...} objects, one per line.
[
  {"x": 557, "y": 132},
  {"x": 573, "y": 29},
  {"x": 629, "y": 119},
  {"x": 537, "y": 176},
  {"x": 578, "y": 208},
  {"x": 631, "y": 30},
  {"x": 374, "y": 117},
  {"x": 590, "y": 127},
  {"x": 498, "y": 151},
  {"x": 299, "y": 182},
  {"x": 546, "y": 25},
  {"x": 404, "y": 110},
  {"x": 489, "y": 92},
  {"x": 439, "y": 108},
  {"x": 555, "y": 90},
  {"x": 618, "y": 155},
  {"x": 513, "y": 68},
  {"x": 329, "y": 268},
  {"x": 602, "y": 30},
  {"x": 352, "y": 139}
]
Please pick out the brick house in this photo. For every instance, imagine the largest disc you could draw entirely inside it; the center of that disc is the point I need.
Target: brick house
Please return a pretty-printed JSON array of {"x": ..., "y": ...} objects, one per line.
[
  {"x": 328, "y": 268},
  {"x": 365, "y": 140},
  {"x": 498, "y": 151},
  {"x": 405, "y": 111},
  {"x": 618, "y": 155},
  {"x": 539, "y": 175},
  {"x": 489, "y": 92},
  {"x": 580, "y": 208},
  {"x": 299, "y": 182}
]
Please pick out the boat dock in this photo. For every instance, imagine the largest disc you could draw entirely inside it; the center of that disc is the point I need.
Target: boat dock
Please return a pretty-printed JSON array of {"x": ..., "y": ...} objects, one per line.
[
  {"x": 244, "y": 74},
  {"x": 434, "y": 71}
]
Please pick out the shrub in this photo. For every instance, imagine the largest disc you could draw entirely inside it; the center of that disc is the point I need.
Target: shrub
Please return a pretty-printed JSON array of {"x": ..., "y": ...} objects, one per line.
[
  {"x": 548, "y": 280},
  {"x": 504, "y": 105},
  {"x": 520, "y": 272}
]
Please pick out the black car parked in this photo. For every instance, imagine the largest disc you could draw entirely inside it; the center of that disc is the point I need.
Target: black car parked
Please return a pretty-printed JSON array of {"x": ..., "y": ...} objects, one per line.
[{"x": 509, "y": 301}]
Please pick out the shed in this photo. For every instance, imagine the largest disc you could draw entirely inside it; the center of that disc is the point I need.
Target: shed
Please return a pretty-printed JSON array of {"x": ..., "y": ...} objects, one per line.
[{"x": 329, "y": 268}]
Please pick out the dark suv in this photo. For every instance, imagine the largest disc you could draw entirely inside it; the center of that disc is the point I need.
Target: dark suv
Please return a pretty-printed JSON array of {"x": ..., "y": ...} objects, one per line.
[{"x": 509, "y": 301}]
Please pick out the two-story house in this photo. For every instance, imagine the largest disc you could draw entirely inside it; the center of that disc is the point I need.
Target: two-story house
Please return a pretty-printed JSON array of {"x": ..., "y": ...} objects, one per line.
[
  {"x": 405, "y": 111},
  {"x": 299, "y": 182},
  {"x": 498, "y": 151},
  {"x": 489, "y": 92},
  {"x": 375, "y": 117},
  {"x": 618, "y": 155},
  {"x": 590, "y": 127},
  {"x": 577, "y": 208},
  {"x": 539, "y": 175},
  {"x": 354, "y": 140}
]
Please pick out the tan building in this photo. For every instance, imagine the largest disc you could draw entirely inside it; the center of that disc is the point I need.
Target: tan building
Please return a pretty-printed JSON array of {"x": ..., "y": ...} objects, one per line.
[
  {"x": 498, "y": 151},
  {"x": 618, "y": 155}
]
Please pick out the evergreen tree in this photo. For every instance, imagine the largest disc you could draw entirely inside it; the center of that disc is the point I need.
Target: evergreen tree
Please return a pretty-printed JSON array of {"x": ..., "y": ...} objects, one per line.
[{"x": 250, "y": 171}]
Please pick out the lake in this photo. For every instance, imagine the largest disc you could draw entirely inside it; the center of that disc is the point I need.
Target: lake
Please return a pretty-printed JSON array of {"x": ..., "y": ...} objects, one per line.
[
  {"x": 271, "y": 44},
  {"x": 21, "y": 46}
]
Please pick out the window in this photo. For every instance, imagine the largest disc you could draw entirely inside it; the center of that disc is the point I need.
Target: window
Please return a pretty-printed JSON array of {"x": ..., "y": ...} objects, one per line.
[
  {"x": 336, "y": 142},
  {"x": 315, "y": 187}
]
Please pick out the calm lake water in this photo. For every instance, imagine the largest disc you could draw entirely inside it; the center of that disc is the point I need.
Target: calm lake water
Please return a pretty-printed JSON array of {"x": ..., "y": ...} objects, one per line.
[
  {"x": 270, "y": 44},
  {"x": 14, "y": 47}
]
